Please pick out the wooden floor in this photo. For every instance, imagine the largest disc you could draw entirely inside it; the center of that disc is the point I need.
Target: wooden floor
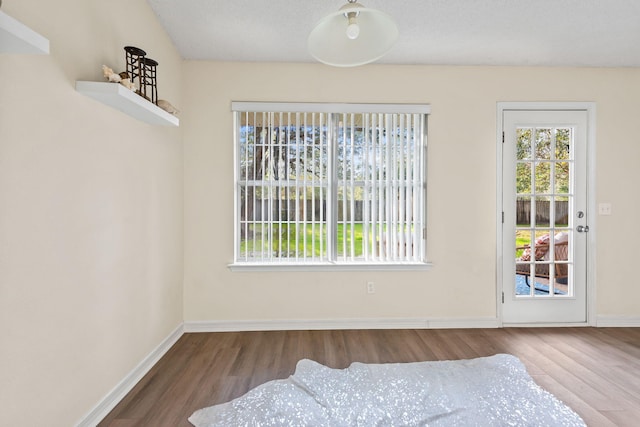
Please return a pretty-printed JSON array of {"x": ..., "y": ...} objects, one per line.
[{"x": 596, "y": 371}]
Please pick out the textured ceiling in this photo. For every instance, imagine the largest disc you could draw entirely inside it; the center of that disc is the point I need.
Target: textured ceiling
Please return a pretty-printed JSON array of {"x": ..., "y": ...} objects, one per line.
[{"x": 452, "y": 32}]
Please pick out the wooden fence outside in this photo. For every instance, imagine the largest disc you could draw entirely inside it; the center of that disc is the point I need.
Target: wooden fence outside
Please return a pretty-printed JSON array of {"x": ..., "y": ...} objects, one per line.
[{"x": 543, "y": 211}]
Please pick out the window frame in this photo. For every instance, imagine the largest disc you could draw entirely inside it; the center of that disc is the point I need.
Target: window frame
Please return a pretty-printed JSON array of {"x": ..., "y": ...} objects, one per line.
[{"x": 329, "y": 108}]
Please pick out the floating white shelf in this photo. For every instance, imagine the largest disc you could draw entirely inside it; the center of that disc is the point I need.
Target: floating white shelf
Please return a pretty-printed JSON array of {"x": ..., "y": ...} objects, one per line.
[
  {"x": 15, "y": 37},
  {"x": 119, "y": 97}
]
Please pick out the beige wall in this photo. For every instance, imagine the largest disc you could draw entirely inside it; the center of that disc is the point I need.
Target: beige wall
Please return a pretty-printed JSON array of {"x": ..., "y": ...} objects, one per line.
[
  {"x": 90, "y": 214},
  {"x": 461, "y": 188}
]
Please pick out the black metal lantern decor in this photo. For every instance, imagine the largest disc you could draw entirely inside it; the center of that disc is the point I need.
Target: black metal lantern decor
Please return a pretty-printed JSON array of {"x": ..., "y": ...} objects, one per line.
[
  {"x": 133, "y": 56},
  {"x": 142, "y": 72},
  {"x": 148, "y": 81}
]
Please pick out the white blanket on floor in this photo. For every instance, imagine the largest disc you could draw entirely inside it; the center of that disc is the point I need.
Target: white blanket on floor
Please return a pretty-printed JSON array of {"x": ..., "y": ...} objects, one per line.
[{"x": 488, "y": 391}]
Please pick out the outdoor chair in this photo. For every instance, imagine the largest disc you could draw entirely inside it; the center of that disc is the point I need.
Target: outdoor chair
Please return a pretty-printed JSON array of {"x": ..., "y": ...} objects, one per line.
[{"x": 542, "y": 254}]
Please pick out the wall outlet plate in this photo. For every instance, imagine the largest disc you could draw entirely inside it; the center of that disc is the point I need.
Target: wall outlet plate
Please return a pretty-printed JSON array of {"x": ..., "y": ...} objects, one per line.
[{"x": 604, "y": 209}]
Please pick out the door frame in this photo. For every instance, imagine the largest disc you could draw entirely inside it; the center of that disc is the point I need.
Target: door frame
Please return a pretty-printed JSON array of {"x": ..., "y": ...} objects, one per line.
[{"x": 590, "y": 108}]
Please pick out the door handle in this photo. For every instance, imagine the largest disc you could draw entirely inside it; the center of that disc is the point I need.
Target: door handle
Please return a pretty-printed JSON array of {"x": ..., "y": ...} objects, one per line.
[{"x": 582, "y": 229}]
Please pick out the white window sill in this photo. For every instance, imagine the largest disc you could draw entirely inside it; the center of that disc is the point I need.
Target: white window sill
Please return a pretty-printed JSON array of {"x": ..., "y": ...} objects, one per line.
[{"x": 399, "y": 266}]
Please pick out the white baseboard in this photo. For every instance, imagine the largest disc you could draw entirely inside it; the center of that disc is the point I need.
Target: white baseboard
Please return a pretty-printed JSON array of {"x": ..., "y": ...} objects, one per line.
[
  {"x": 618, "y": 321},
  {"x": 334, "y": 324},
  {"x": 114, "y": 397}
]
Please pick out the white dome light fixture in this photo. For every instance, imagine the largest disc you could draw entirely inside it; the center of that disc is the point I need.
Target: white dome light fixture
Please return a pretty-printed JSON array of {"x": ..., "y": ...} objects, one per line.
[{"x": 352, "y": 36}]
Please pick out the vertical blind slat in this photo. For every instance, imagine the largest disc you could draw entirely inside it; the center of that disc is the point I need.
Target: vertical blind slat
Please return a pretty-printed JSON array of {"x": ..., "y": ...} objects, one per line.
[
  {"x": 402, "y": 139},
  {"x": 254, "y": 187},
  {"x": 375, "y": 158},
  {"x": 297, "y": 162},
  {"x": 304, "y": 186},
  {"x": 313, "y": 187},
  {"x": 289, "y": 198},
  {"x": 264, "y": 187},
  {"x": 418, "y": 182},
  {"x": 394, "y": 185},
  {"x": 343, "y": 177},
  {"x": 277, "y": 195},
  {"x": 321, "y": 174},
  {"x": 382, "y": 213},
  {"x": 269, "y": 220},
  {"x": 352, "y": 232},
  {"x": 388, "y": 184},
  {"x": 365, "y": 187}
]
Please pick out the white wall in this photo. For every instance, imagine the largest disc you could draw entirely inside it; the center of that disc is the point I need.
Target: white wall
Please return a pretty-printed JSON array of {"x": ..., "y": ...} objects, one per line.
[
  {"x": 90, "y": 213},
  {"x": 461, "y": 188}
]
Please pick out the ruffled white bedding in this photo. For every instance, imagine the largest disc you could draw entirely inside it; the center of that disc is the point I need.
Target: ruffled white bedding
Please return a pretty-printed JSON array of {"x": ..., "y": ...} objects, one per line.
[{"x": 488, "y": 391}]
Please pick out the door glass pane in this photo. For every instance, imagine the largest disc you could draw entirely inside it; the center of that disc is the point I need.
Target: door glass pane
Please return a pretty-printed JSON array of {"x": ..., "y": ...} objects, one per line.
[
  {"x": 543, "y": 144},
  {"x": 543, "y": 178},
  {"x": 543, "y": 211},
  {"x": 562, "y": 177},
  {"x": 523, "y": 211},
  {"x": 561, "y": 212},
  {"x": 562, "y": 265},
  {"x": 523, "y": 242},
  {"x": 543, "y": 195},
  {"x": 563, "y": 144},
  {"x": 523, "y": 178},
  {"x": 523, "y": 144}
]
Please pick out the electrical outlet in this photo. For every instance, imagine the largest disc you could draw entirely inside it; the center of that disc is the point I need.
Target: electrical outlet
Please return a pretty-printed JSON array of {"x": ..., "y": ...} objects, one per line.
[
  {"x": 604, "y": 208},
  {"x": 371, "y": 288}
]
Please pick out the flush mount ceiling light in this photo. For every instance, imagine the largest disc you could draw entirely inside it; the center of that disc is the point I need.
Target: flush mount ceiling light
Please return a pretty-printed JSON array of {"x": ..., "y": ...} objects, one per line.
[{"x": 354, "y": 35}]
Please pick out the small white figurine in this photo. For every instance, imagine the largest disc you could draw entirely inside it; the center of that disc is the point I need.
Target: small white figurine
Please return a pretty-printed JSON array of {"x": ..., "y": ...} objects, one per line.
[
  {"x": 110, "y": 75},
  {"x": 166, "y": 106},
  {"x": 126, "y": 81}
]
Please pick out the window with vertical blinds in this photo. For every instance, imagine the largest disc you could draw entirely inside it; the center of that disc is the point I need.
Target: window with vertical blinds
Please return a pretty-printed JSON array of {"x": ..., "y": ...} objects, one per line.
[{"x": 330, "y": 184}]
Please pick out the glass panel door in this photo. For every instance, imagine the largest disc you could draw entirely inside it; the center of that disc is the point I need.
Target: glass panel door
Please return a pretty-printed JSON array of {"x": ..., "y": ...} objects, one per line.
[{"x": 544, "y": 202}]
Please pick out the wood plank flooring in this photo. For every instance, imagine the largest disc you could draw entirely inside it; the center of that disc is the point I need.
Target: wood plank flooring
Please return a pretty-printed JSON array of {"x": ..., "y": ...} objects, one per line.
[{"x": 596, "y": 371}]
